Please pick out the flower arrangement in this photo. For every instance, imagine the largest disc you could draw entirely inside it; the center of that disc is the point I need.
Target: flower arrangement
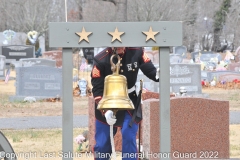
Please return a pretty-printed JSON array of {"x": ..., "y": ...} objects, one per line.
[{"x": 82, "y": 141}]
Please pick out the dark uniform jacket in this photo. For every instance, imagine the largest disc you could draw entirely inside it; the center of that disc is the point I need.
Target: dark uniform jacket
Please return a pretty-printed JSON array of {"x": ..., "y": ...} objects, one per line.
[{"x": 132, "y": 60}]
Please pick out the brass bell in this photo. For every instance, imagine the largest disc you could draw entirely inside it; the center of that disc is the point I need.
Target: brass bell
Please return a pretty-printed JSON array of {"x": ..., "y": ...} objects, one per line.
[{"x": 115, "y": 94}]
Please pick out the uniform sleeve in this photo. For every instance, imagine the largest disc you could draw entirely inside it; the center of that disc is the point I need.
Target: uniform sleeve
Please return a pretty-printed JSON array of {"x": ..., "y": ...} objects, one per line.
[
  {"x": 97, "y": 80},
  {"x": 147, "y": 67}
]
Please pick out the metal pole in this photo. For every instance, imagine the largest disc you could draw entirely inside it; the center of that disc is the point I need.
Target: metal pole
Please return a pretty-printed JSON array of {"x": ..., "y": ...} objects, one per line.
[
  {"x": 66, "y": 10},
  {"x": 165, "y": 133},
  {"x": 67, "y": 103}
]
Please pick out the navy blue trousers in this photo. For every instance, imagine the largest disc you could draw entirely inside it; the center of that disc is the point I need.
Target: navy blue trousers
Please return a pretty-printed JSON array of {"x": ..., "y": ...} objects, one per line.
[{"x": 103, "y": 149}]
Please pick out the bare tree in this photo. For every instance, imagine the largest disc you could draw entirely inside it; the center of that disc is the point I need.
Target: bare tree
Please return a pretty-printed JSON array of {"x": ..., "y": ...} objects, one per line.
[
  {"x": 120, "y": 7},
  {"x": 197, "y": 16}
]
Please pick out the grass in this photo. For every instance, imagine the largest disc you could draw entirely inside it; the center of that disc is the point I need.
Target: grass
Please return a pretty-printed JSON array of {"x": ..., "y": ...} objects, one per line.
[
  {"x": 234, "y": 141},
  {"x": 39, "y": 143},
  {"x": 47, "y": 143},
  {"x": 233, "y": 96},
  {"x": 4, "y": 102}
]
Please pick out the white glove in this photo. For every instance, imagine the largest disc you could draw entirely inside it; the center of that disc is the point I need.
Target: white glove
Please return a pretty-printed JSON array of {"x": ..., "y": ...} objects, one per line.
[
  {"x": 157, "y": 73},
  {"x": 110, "y": 118}
]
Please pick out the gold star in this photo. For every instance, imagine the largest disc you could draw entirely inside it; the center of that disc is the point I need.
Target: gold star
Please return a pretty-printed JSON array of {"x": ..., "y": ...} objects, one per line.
[
  {"x": 150, "y": 34},
  {"x": 83, "y": 35},
  {"x": 116, "y": 35}
]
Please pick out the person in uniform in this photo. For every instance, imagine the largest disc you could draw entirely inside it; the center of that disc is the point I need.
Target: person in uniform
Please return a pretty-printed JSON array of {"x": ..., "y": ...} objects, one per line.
[{"x": 132, "y": 59}]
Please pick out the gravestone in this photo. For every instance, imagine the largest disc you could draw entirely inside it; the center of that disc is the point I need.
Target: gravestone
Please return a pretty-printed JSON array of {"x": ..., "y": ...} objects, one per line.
[
  {"x": 2, "y": 66},
  {"x": 185, "y": 75},
  {"x": 181, "y": 75},
  {"x": 26, "y": 62},
  {"x": 210, "y": 66},
  {"x": 217, "y": 74},
  {"x": 234, "y": 67},
  {"x": 198, "y": 125},
  {"x": 38, "y": 81},
  {"x": 229, "y": 77},
  {"x": 205, "y": 56},
  {"x": 20, "y": 38},
  {"x": 175, "y": 58},
  {"x": 16, "y": 52},
  {"x": 88, "y": 54},
  {"x": 181, "y": 50},
  {"x": 204, "y": 75},
  {"x": 54, "y": 55},
  {"x": 237, "y": 54}
]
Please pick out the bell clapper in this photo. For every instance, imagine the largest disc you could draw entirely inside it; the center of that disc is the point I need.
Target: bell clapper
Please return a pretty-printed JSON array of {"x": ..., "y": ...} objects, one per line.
[{"x": 114, "y": 112}]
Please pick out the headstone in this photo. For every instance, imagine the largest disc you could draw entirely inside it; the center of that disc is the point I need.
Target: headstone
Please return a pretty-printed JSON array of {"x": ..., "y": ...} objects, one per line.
[
  {"x": 175, "y": 58},
  {"x": 237, "y": 54},
  {"x": 229, "y": 77},
  {"x": 39, "y": 82},
  {"x": 83, "y": 86},
  {"x": 16, "y": 52},
  {"x": 54, "y": 55},
  {"x": 181, "y": 50},
  {"x": 88, "y": 54},
  {"x": 2, "y": 66},
  {"x": 206, "y": 56},
  {"x": 234, "y": 67},
  {"x": 181, "y": 75},
  {"x": 204, "y": 75},
  {"x": 199, "y": 129},
  {"x": 20, "y": 38},
  {"x": 26, "y": 62},
  {"x": 185, "y": 75},
  {"x": 210, "y": 66},
  {"x": 217, "y": 74}
]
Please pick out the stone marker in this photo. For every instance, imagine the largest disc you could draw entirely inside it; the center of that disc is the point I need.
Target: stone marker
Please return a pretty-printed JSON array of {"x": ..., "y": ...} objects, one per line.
[
  {"x": 181, "y": 50},
  {"x": 185, "y": 75},
  {"x": 208, "y": 56},
  {"x": 16, "y": 52},
  {"x": 198, "y": 126},
  {"x": 216, "y": 74},
  {"x": 175, "y": 58},
  {"x": 234, "y": 67},
  {"x": 205, "y": 56},
  {"x": 237, "y": 54},
  {"x": 39, "y": 82},
  {"x": 54, "y": 55},
  {"x": 2, "y": 66},
  {"x": 181, "y": 75},
  {"x": 204, "y": 75},
  {"x": 229, "y": 77},
  {"x": 26, "y": 62}
]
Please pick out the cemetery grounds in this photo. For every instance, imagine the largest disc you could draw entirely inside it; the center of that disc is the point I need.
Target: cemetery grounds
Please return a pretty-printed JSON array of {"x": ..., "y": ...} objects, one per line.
[{"x": 41, "y": 141}]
